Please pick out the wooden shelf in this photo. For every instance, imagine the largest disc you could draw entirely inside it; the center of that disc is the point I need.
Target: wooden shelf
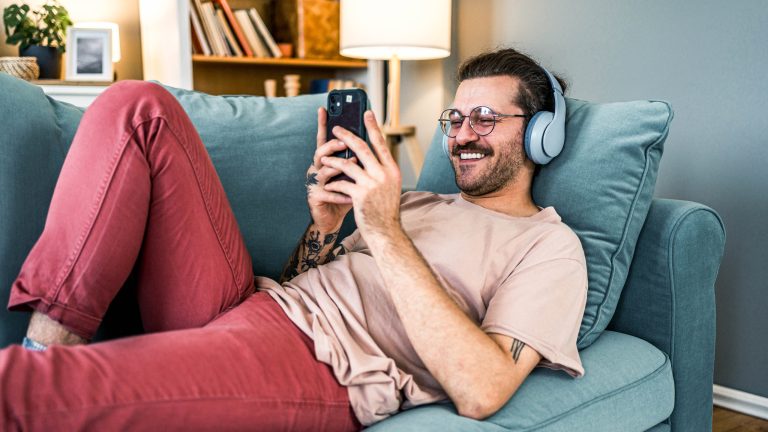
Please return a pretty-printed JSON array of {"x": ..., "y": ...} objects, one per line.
[{"x": 287, "y": 62}]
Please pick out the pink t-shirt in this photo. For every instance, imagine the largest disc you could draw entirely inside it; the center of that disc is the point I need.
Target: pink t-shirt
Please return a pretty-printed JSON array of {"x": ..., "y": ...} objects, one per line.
[{"x": 523, "y": 277}]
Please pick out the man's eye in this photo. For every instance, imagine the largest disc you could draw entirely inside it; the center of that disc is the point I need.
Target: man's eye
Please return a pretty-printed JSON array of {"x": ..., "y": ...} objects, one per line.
[
  {"x": 485, "y": 121},
  {"x": 456, "y": 123}
]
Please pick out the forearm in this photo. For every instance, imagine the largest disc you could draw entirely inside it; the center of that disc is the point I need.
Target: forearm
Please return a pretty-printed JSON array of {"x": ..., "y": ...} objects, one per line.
[
  {"x": 315, "y": 248},
  {"x": 468, "y": 364}
]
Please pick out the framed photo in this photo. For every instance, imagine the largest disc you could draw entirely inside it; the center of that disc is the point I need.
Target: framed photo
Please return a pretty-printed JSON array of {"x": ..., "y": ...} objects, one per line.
[{"x": 89, "y": 54}]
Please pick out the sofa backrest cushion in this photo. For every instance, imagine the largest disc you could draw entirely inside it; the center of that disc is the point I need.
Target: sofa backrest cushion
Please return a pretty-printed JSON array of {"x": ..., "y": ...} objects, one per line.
[{"x": 601, "y": 184}]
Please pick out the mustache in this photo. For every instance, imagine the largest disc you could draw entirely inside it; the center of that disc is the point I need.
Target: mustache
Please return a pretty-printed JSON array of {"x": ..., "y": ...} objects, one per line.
[{"x": 471, "y": 147}]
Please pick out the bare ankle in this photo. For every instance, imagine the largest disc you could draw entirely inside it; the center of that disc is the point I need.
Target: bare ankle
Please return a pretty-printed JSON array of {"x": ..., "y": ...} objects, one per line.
[{"x": 49, "y": 332}]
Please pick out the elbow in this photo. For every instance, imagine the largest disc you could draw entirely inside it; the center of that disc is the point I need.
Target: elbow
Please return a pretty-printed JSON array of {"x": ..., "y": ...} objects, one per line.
[{"x": 480, "y": 408}]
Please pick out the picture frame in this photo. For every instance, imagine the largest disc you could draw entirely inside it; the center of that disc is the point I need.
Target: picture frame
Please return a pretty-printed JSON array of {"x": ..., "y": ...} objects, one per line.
[{"x": 89, "y": 54}]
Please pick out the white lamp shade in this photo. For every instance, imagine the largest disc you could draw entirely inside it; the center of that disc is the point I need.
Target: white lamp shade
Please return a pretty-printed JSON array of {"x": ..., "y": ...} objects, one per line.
[{"x": 407, "y": 29}]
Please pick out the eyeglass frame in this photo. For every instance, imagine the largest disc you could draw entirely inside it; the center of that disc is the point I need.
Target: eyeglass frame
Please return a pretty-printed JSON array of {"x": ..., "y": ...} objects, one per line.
[{"x": 496, "y": 117}]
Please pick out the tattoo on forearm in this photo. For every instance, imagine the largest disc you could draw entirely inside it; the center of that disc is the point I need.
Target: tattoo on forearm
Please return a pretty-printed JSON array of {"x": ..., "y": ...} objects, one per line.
[
  {"x": 517, "y": 348},
  {"x": 311, "y": 252}
]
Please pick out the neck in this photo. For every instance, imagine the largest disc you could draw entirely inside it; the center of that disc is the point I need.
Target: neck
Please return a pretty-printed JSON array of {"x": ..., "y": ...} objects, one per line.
[
  {"x": 513, "y": 199},
  {"x": 511, "y": 205}
]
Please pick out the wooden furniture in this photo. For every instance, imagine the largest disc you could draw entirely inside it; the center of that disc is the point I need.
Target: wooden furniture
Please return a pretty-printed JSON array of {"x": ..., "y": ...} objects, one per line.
[
  {"x": 80, "y": 93},
  {"x": 167, "y": 57},
  {"x": 246, "y": 75},
  {"x": 405, "y": 136}
]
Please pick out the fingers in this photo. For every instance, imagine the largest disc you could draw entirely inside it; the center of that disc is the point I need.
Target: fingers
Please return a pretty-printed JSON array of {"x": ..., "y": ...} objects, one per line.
[
  {"x": 347, "y": 166},
  {"x": 327, "y": 149},
  {"x": 322, "y": 117},
  {"x": 327, "y": 196},
  {"x": 360, "y": 148},
  {"x": 372, "y": 162},
  {"x": 326, "y": 173},
  {"x": 377, "y": 139},
  {"x": 342, "y": 187}
]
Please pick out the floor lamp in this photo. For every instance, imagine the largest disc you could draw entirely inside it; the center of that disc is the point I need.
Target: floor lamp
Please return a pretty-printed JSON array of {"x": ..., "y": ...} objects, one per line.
[{"x": 396, "y": 30}]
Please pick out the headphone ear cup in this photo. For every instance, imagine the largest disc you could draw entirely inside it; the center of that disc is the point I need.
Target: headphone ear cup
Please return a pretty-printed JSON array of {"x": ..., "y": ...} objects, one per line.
[
  {"x": 445, "y": 146},
  {"x": 534, "y": 137}
]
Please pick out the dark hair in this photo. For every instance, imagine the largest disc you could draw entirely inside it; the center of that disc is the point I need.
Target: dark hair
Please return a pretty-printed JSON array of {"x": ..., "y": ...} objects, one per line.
[{"x": 535, "y": 92}]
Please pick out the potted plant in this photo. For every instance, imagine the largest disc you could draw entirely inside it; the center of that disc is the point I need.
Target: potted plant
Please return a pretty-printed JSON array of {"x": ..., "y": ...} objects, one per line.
[{"x": 40, "y": 33}]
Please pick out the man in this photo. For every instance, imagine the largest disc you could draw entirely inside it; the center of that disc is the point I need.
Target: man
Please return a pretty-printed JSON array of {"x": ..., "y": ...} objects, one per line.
[{"x": 433, "y": 297}]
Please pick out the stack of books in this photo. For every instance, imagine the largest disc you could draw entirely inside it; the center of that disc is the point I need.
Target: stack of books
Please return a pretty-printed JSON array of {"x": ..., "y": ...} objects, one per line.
[{"x": 219, "y": 30}]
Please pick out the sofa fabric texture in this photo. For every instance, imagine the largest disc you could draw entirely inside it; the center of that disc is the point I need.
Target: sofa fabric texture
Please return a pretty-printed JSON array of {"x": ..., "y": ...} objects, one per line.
[
  {"x": 623, "y": 372},
  {"x": 658, "y": 352}
]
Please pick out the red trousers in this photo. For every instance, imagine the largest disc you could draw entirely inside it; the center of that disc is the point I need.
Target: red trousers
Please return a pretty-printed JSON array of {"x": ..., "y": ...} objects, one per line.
[{"x": 138, "y": 192}]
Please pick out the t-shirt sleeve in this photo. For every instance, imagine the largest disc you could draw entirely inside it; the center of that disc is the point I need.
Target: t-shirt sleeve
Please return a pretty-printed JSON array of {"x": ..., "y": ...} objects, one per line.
[{"x": 541, "y": 304}]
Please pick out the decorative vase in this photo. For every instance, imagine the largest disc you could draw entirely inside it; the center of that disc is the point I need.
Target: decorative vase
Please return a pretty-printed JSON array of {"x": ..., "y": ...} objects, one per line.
[
  {"x": 48, "y": 59},
  {"x": 20, "y": 67}
]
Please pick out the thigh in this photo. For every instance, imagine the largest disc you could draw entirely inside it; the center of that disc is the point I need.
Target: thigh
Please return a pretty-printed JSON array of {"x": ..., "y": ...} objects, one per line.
[{"x": 250, "y": 369}]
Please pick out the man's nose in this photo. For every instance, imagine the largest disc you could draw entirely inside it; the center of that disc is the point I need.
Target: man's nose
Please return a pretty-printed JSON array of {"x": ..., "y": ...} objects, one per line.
[{"x": 466, "y": 133}]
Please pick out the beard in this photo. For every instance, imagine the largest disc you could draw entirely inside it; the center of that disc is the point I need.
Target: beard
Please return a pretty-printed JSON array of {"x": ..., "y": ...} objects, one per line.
[{"x": 496, "y": 170}]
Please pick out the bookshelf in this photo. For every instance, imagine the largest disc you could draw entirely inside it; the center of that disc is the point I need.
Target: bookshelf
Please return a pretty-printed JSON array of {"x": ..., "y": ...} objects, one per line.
[
  {"x": 167, "y": 57},
  {"x": 293, "y": 62}
]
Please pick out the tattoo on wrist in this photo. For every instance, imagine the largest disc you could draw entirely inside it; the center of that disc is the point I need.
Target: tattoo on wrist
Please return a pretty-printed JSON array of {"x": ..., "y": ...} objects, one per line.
[
  {"x": 309, "y": 253},
  {"x": 517, "y": 348}
]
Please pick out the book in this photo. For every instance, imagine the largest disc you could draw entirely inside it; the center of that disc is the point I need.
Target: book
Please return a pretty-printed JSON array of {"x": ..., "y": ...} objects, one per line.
[
  {"x": 207, "y": 29},
  {"x": 235, "y": 27},
  {"x": 259, "y": 48},
  {"x": 218, "y": 45},
  {"x": 198, "y": 32},
  {"x": 234, "y": 48},
  {"x": 264, "y": 33},
  {"x": 196, "y": 47}
]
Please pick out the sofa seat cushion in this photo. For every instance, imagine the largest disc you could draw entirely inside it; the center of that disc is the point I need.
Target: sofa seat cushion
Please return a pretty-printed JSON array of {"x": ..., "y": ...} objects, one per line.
[
  {"x": 627, "y": 386},
  {"x": 601, "y": 185}
]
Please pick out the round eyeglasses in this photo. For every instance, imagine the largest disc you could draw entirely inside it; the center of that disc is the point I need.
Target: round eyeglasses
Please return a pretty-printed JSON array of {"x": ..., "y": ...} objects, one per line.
[{"x": 482, "y": 120}]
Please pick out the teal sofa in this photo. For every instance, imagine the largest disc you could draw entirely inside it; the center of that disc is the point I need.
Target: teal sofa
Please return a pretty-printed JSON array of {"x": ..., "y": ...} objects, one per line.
[{"x": 647, "y": 339}]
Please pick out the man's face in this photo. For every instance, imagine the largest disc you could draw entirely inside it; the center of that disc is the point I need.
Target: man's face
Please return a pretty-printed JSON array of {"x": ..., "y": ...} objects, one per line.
[{"x": 501, "y": 152}]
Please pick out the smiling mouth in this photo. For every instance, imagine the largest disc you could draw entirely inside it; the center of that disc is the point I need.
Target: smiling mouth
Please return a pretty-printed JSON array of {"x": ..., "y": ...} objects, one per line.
[{"x": 471, "y": 156}]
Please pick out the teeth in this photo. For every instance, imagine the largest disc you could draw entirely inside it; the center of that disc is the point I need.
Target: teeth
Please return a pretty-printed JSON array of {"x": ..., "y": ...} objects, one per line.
[{"x": 465, "y": 156}]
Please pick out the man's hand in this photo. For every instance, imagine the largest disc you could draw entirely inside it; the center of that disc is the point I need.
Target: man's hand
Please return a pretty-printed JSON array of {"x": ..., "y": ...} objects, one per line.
[
  {"x": 327, "y": 208},
  {"x": 376, "y": 191}
]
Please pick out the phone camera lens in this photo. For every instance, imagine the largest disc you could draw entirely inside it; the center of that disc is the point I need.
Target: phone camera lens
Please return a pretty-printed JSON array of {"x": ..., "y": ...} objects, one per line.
[{"x": 334, "y": 107}]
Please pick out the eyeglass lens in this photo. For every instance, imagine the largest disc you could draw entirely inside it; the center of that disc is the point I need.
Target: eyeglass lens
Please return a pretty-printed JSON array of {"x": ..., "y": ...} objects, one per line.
[{"x": 481, "y": 120}]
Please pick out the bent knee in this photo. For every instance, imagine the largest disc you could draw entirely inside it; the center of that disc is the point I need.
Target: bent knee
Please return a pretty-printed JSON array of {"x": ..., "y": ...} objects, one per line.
[{"x": 141, "y": 95}]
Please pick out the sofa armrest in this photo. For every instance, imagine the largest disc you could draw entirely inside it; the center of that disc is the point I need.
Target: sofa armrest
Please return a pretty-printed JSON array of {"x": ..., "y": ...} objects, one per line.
[{"x": 669, "y": 300}]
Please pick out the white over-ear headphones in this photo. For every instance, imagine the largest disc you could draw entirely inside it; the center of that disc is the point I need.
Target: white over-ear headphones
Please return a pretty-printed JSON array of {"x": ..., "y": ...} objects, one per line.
[{"x": 545, "y": 134}]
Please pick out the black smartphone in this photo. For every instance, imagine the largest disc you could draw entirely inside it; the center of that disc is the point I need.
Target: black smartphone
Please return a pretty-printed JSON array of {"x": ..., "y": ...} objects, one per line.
[{"x": 346, "y": 109}]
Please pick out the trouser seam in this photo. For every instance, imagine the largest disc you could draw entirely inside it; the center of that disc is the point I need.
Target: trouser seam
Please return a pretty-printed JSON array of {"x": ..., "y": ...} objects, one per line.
[
  {"x": 205, "y": 195},
  {"x": 95, "y": 210}
]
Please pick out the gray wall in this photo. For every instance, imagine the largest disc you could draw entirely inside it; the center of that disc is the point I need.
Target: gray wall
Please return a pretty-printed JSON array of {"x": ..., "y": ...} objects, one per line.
[{"x": 709, "y": 59}]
